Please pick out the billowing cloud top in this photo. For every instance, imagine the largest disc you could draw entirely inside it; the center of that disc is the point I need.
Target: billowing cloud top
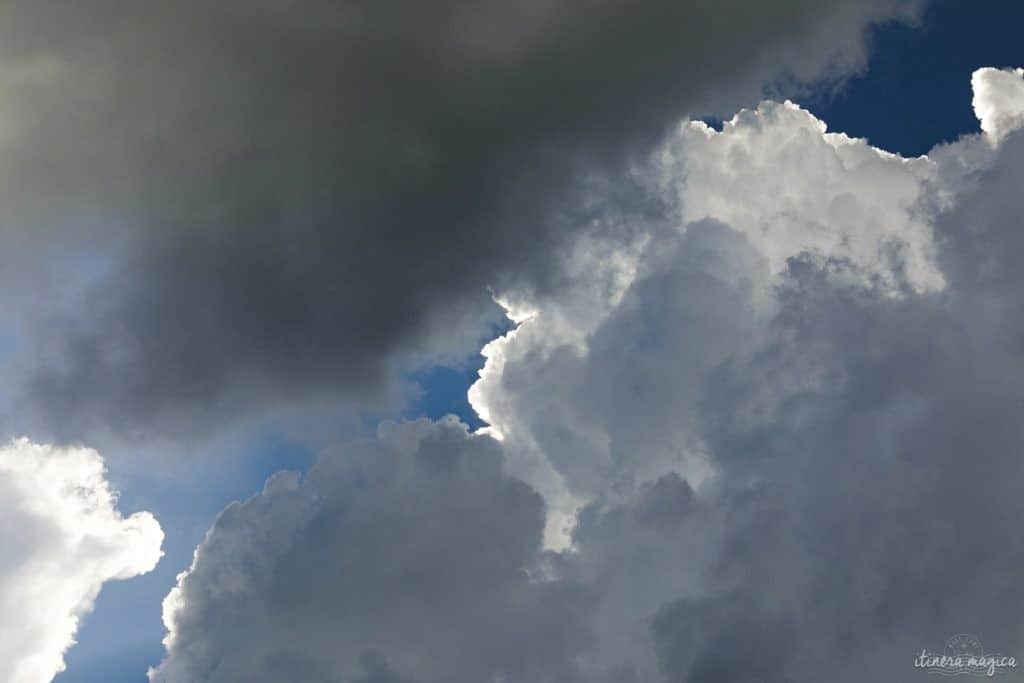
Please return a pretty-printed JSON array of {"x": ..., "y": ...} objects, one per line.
[
  {"x": 999, "y": 100},
  {"x": 62, "y": 538},
  {"x": 773, "y": 411}
]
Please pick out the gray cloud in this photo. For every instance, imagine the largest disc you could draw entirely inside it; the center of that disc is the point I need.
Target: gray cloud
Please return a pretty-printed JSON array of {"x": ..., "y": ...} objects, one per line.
[
  {"x": 271, "y": 199},
  {"x": 406, "y": 558},
  {"x": 872, "y": 499},
  {"x": 872, "y": 509}
]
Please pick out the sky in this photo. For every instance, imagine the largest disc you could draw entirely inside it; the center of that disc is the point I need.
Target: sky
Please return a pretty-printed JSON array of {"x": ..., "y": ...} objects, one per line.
[
  {"x": 916, "y": 90},
  {"x": 642, "y": 342}
]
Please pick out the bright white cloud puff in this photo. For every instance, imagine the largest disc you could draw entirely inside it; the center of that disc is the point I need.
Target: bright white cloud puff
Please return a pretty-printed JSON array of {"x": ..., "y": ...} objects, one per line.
[
  {"x": 999, "y": 100},
  {"x": 62, "y": 539}
]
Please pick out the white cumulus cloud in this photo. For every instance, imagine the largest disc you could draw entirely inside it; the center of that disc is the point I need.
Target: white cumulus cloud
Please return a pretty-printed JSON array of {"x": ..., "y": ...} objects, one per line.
[
  {"x": 999, "y": 100},
  {"x": 62, "y": 538}
]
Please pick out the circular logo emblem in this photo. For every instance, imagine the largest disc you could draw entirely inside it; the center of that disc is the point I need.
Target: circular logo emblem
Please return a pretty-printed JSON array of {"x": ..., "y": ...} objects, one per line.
[{"x": 964, "y": 645}]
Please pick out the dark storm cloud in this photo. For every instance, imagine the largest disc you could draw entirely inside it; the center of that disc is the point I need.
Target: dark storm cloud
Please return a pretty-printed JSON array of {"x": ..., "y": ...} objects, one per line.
[{"x": 274, "y": 198}]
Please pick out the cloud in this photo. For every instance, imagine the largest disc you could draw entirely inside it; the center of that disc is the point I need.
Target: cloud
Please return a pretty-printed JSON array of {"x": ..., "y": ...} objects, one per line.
[
  {"x": 771, "y": 403},
  {"x": 834, "y": 370},
  {"x": 647, "y": 317},
  {"x": 410, "y": 557},
  {"x": 826, "y": 343},
  {"x": 261, "y": 201},
  {"x": 63, "y": 538},
  {"x": 998, "y": 100}
]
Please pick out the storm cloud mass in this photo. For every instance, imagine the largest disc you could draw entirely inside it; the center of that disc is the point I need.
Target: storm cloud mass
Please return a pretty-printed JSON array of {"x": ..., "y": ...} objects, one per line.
[
  {"x": 253, "y": 202},
  {"x": 755, "y": 418},
  {"x": 776, "y": 433}
]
